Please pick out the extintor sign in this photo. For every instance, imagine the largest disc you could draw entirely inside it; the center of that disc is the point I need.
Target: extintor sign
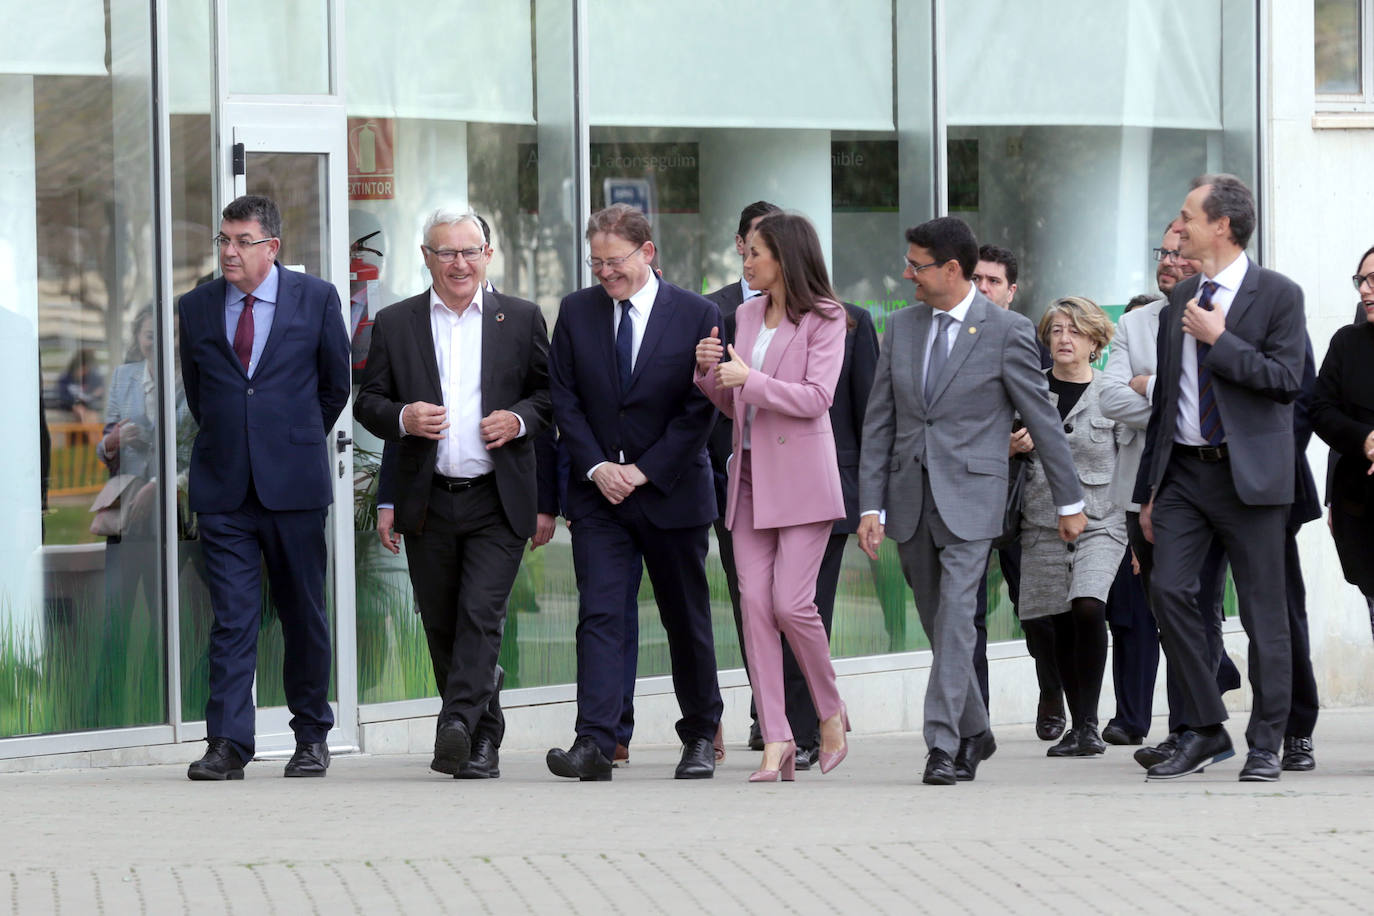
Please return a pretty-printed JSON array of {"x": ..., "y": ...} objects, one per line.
[{"x": 371, "y": 163}]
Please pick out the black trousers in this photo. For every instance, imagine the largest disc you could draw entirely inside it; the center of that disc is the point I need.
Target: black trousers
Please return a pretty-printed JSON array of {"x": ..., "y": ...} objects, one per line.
[
  {"x": 462, "y": 568},
  {"x": 1196, "y": 503},
  {"x": 1040, "y": 639},
  {"x": 1135, "y": 648},
  {"x": 1302, "y": 713}
]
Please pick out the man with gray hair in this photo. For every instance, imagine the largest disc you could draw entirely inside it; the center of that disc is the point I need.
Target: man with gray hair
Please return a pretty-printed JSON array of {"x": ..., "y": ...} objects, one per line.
[
  {"x": 1219, "y": 463},
  {"x": 458, "y": 376}
]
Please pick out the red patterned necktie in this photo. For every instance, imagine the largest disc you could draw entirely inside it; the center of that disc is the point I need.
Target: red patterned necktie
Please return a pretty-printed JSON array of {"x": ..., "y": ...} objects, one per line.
[{"x": 243, "y": 333}]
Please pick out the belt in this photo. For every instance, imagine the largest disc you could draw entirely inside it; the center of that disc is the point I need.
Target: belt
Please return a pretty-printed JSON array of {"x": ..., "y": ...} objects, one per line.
[
  {"x": 459, "y": 484},
  {"x": 1203, "y": 452}
]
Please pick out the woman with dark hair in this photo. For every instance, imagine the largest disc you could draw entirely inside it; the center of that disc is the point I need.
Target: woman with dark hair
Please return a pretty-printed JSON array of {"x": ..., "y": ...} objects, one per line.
[
  {"x": 1343, "y": 416},
  {"x": 1068, "y": 583},
  {"x": 784, "y": 479}
]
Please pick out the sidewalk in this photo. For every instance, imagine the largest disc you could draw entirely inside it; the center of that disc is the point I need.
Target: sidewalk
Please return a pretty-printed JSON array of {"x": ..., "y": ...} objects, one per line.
[{"x": 384, "y": 834}]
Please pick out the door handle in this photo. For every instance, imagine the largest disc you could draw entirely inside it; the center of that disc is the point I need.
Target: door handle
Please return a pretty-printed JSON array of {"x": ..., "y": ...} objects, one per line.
[{"x": 342, "y": 442}]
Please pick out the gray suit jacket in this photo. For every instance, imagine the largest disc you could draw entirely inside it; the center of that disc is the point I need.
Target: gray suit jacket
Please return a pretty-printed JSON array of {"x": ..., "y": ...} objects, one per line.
[
  {"x": 1256, "y": 375},
  {"x": 993, "y": 371},
  {"x": 1133, "y": 353},
  {"x": 1094, "y": 441}
]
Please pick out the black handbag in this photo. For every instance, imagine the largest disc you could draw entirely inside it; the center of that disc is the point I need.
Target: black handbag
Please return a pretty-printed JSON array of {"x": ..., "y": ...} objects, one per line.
[{"x": 1011, "y": 515}]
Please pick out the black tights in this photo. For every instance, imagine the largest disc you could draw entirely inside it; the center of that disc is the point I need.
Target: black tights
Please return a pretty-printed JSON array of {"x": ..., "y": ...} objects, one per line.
[{"x": 1080, "y": 647}]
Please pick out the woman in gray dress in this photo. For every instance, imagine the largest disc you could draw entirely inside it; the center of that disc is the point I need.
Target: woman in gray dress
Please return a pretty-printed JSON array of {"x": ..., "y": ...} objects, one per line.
[{"x": 1068, "y": 583}]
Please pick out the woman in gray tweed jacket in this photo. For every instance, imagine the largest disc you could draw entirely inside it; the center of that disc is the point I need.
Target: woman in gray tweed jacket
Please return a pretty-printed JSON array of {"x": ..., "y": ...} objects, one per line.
[{"x": 1068, "y": 583}]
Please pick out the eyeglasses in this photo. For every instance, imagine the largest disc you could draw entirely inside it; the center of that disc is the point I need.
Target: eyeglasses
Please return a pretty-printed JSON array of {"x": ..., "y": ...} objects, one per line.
[
  {"x": 915, "y": 268},
  {"x": 1168, "y": 254},
  {"x": 613, "y": 263},
  {"x": 1359, "y": 280},
  {"x": 446, "y": 255},
  {"x": 241, "y": 244}
]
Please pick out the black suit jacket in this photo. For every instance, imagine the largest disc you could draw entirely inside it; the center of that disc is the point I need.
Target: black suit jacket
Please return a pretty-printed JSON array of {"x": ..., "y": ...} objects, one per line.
[
  {"x": 402, "y": 367},
  {"x": 728, "y": 298},
  {"x": 1256, "y": 375},
  {"x": 847, "y": 410},
  {"x": 660, "y": 424},
  {"x": 1307, "y": 505}
]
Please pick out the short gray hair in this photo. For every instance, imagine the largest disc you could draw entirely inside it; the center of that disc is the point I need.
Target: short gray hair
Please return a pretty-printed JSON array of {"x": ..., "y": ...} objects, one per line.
[{"x": 451, "y": 216}]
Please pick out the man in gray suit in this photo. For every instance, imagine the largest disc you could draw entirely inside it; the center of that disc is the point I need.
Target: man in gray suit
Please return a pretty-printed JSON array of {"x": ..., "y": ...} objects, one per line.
[
  {"x": 1219, "y": 462},
  {"x": 954, "y": 368}
]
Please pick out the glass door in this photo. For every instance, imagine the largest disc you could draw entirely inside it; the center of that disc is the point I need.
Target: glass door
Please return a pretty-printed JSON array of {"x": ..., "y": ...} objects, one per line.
[{"x": 299, "y": 166}]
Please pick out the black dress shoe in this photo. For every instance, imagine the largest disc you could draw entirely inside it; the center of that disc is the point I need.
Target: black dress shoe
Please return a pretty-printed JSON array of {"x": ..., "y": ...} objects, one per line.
[
  {"x": 583, "y": 761},
  {"x": 483, "y": 763},
  {"x": 1067, "y": 746},
  {"x": 221, "y": 761},
  {"x": 1297, "y": 754},
  {"x": 939, "y": 769},
  {"x": 1149, "y": 756},
  {"x": 973, "y": 750},
  {"x": 1049, "y": 718},
  {"x": 1115, "y": 734},
  {"x": 452, "y": 747},
  {"x": 1260, "y": 766},
  {"x": 698, "y": 760},
  {"x": 755, "y": 736},
  {"x": 1195, "y": 752},
  {"x": 1089, "y": 743},
  {"x": 806, "y": 756},
  {"x": 311, "y": 759}
]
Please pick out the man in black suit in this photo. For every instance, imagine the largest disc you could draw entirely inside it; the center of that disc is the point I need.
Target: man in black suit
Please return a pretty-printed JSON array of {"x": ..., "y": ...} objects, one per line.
[
  {"x": 458, "y": 376},
  {"x": 729, "y": 297},
  {"x": 635, "y": 428},
  {"x": 1219, "y": 462}
]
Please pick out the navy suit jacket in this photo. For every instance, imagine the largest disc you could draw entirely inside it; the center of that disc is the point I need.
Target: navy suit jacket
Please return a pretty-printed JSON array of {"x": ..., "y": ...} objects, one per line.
[
  {"x": 662, "y": 421},
  {"x": 270, "y": 428}
]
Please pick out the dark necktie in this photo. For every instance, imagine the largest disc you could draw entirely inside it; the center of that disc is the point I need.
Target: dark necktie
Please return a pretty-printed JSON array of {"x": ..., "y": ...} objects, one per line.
[
  {"x": 243, "y": 333},
  {"x": 624, "y": 346},
  {"x": 939, "y": 352},
  {"x": 1208, "y": 416}
]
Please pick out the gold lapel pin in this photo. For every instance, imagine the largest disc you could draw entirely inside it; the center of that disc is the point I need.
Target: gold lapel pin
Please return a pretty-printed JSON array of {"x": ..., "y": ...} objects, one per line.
[{"x": 973, "y": 330}]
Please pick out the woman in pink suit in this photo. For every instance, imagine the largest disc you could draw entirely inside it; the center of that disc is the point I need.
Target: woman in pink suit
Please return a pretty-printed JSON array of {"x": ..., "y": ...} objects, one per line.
[{"x": 784, "y": 489}]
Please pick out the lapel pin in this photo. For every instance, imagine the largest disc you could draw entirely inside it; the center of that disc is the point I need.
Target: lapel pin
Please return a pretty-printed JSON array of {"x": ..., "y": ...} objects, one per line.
[
  {"x": 973, "y": 330},
  {"x": 500, "y": 316}
]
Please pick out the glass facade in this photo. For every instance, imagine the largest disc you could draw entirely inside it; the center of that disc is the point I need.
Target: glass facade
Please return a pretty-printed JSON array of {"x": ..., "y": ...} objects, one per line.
[{"x": 868, "y": 120}]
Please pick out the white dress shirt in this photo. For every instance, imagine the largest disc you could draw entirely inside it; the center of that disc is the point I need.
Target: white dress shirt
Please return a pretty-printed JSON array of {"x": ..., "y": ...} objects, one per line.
[
  {"x": 1228, "y": 280},
  {"x": 756, "y": 362},
  {"x": 641, "y": 304}
]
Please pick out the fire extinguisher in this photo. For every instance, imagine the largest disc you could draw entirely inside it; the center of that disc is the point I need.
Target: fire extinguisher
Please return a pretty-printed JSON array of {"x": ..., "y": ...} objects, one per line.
[{"x": 363, "y": 284}]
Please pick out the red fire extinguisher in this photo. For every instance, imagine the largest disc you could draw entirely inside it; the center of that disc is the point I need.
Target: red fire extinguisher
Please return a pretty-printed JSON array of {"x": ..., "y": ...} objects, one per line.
[{"x": 363, "y": 282}]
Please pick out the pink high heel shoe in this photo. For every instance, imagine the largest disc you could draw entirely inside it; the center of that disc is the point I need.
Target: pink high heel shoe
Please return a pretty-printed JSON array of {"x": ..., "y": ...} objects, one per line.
[
  {"x": 786, "y": 771},
  {"x": 831, "y": 759}
]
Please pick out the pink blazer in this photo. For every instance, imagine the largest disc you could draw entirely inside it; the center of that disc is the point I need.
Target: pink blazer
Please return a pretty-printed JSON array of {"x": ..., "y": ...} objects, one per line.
[{"x": 796, "y": 477}]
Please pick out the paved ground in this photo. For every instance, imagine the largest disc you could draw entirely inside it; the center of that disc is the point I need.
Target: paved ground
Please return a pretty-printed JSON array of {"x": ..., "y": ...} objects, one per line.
[{"x": 383, "y": 834}]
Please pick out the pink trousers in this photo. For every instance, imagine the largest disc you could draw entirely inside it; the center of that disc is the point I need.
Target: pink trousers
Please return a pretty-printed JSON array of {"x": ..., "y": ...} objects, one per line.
[{"x": 777, "y": 570}]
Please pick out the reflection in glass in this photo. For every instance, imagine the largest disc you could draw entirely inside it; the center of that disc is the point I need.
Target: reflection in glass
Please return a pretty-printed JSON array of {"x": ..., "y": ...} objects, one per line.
[{"x": 1337, "y": 40}]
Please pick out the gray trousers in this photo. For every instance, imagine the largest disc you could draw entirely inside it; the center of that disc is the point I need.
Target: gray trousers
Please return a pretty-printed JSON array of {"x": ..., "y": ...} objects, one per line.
[
  {"x": 1196, "y": 502},
  {"x": 945, "y": 574}
]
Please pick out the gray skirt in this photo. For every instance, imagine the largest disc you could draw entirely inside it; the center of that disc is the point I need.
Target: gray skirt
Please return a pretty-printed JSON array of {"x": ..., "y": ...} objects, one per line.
[{"x": 1052, "y": 575}]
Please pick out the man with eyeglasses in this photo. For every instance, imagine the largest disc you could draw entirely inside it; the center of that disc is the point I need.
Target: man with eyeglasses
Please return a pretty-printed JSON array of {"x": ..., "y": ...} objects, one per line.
[
  {"x": 265, "y": 364},
  {"x": 635, "y": 429},
  {"x": 458, "y": 377},
  {"x": 953, "y": 371},
  {"x": 1127, "y": 393}
]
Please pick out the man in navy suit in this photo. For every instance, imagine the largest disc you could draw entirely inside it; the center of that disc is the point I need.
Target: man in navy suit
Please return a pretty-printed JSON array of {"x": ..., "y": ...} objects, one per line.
[
  {"x": 265, "y": 363},
  {"x": 635, "y": 429}
]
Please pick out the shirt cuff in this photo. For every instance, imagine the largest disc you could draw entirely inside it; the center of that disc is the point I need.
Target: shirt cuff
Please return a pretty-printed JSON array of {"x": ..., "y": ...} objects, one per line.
[
  {"x": 522, "y": 424},
  {"x": 401, "y": 420},
  {"x": 594, "y": 467},
  {"x": 1150, "y": 389},
  {"x": 881, "y": 513},
  {"x": 1072, "y": 509},
  {"x": 381, "y": 506}
]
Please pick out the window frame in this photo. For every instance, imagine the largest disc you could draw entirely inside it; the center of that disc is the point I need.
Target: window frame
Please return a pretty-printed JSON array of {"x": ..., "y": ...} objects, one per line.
[{"x": 1361, "y": 102}]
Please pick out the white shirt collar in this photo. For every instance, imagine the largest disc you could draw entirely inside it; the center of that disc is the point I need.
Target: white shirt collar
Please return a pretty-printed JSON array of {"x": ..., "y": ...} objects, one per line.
[
  {"x": 747, "y": 292},
  {"x": 960, "y": 311},
  {"x": 643, "y": 300},
  {"x": 437, "y": 303},
  {"x": 1230, "y": 276}
]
